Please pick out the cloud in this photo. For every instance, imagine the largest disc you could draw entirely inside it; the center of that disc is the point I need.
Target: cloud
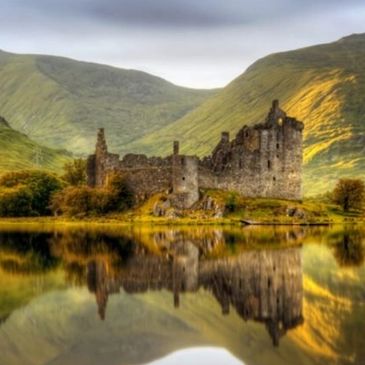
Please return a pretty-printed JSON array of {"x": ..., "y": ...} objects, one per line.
[
  {"x": 174, "y": 13},
  {"x": 195, "y": 43}
]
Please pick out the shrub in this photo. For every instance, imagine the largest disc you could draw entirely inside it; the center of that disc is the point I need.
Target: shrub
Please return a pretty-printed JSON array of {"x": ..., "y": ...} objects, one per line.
[
  {"x": 16, "y": 202},
  {"x": 86, "y": 201},
  {"x": 231, "y": 203},
  {"x": 80, "y": 201},
  {"x": 121, "y": 195},
  {"x": 39, "y": 186}
]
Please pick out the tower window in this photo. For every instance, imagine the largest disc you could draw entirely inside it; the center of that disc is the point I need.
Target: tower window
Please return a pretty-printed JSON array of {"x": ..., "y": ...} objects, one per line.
[
  {"x": 269, "y": 164},
  {"x": 277, "y": 146}
]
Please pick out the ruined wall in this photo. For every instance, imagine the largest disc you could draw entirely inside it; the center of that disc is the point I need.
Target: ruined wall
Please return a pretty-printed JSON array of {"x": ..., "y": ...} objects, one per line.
[
  {"x": 264, "y": 160},
  {"x": 146, "y": 176}
]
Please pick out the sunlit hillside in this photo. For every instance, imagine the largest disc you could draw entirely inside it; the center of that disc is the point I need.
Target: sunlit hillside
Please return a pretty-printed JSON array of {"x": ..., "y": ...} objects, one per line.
[
  {"x": 60, "y": 102},
  {"x": 324, "y": 86},
  {"x": 17, "y": 152}
]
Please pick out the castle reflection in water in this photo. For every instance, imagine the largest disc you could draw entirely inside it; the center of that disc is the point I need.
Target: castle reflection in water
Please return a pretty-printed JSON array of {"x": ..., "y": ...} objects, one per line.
[{"x": 261, "y": 285}]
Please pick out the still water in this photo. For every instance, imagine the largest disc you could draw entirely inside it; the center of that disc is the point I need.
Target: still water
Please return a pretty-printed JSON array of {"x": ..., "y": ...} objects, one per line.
[{"x": 174, "y": 296}]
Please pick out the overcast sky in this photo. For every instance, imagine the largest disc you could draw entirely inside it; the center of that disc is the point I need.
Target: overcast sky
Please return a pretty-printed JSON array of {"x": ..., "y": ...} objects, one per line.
[{"x": 197, "y": 43}]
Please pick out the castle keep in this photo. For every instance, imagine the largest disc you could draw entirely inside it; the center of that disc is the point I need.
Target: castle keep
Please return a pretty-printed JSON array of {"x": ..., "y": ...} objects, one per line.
[{"x": 264, "y": 160}]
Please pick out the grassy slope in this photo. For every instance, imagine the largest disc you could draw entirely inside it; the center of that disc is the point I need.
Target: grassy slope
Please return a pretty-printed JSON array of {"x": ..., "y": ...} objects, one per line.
[
  {"x": 322, "y": 85},
  {"x": 61, "y": 102},
  {"x": 17, "y": 151}
]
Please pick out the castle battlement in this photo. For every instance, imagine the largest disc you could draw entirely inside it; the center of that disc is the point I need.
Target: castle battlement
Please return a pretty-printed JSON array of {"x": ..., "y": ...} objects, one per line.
[{"x": 263, "y": 160}]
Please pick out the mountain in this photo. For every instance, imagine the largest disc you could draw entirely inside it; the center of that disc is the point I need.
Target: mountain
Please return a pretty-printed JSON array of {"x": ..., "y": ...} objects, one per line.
[
  {"x": 61, "y": 102},
  {"x": 17, "y": 151},
  {"x": 324, "y": 86}
]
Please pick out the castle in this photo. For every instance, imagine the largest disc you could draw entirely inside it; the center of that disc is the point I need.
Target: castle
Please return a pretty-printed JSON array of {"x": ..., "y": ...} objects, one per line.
[{"x": 264, "y": 160}]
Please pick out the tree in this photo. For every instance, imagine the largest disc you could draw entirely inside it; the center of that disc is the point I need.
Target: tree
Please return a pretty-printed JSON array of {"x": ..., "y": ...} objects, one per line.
[
  {"x": 349, "y": 194},
  {"x": 21, "y": 188},
  {"x": 121, "y": 194},
  {"x": 75, "y": 172}
]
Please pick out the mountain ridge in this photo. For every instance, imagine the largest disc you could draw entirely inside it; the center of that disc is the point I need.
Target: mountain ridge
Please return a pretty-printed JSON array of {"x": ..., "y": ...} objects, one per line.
[
  {"x": 323, "y": 85},
  {"x": 61, "y": 102}
]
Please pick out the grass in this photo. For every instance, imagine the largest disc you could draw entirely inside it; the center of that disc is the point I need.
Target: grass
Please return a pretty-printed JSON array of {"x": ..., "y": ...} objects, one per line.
[
  {"x": 257, "y": 210},
  {"x": 18, "y": 152},
  {"x": 60, "y": 102}
]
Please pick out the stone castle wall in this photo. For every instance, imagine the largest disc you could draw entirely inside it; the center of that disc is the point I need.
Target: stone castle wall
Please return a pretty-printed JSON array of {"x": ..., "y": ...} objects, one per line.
[{"x": 264, "y": 160}]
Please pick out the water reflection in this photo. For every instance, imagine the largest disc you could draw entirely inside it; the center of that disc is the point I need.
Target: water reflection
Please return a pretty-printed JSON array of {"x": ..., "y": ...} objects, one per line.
[
  {"x": 261, "y": 285},
  {"x": 258, "y": 275},
  {"x": 348, "y": 248}
]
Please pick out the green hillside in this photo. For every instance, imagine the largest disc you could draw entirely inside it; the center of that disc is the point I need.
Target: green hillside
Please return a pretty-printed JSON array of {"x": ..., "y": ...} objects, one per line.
[
  {"x": 17, "y": 151},
  {"x": 61, "y": 102},
  {"x": 324, "y": 86}
]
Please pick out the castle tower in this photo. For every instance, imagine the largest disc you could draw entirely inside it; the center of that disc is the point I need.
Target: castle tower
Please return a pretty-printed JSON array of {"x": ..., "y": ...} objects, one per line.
[
  {"x": 185, "y": 186},
  {"x": 101, "y": 146}
]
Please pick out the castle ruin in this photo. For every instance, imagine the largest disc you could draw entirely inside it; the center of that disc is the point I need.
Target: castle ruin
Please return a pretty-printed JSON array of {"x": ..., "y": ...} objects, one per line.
[{"x": 264, "y": 160}]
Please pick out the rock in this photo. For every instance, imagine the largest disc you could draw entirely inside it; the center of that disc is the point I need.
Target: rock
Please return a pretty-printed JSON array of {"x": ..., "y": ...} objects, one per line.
[
  {"x": 161, "y": 207},
  {"x": 295, "y": 212}
]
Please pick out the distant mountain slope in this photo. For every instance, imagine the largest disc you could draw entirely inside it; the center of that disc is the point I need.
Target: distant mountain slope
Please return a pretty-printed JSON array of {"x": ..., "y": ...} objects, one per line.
[
  {"x": 61, "y": 102},
  {"x": 324, "y": 86},
  {"x": 17, "y": 151}
]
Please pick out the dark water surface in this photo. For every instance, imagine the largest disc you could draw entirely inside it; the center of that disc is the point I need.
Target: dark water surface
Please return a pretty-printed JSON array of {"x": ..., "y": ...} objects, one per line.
[{"x": 174, "y": 296}]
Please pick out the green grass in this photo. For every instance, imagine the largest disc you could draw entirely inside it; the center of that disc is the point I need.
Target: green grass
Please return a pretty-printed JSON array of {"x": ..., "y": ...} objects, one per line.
[
  {"x": 324, "y": 86},
  {"x": 18, "y": 152},
  {"x": 60, "y": 102}
]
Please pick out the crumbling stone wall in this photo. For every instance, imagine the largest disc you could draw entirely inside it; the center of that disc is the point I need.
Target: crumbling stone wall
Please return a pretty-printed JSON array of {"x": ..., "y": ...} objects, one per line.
[{"x": 264, "y": 160}]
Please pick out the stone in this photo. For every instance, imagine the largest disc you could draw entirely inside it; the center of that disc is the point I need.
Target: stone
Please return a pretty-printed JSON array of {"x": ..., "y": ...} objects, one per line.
[
  {"x": 264, "y": 160},
  {"x": 296, "y": 212}
]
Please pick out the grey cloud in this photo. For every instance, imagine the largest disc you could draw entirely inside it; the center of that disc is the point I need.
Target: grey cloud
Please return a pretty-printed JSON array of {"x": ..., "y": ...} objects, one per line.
[{"x": 175, "y": 13}]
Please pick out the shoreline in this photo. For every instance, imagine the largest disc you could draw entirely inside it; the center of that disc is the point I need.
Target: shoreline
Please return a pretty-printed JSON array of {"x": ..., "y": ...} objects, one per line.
[{"x": 111, "y": 221}]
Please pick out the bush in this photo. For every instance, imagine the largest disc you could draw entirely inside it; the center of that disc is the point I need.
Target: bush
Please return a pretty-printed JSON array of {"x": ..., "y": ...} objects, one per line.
[
  {"x": 80, "y": 201},
  {"x": 16, "y": 202},
  {"x": 121, "y": 195},
  {"x": 86, "y": 201},
  {"x": 20, "y": 187},
  {"x": 231, "y": 203}
]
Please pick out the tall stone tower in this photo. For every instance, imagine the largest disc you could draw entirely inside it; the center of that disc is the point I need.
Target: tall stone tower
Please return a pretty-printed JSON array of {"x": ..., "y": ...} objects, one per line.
[
  {"x": 101, "y": 163},
  {"x": 185, "y": 185}
]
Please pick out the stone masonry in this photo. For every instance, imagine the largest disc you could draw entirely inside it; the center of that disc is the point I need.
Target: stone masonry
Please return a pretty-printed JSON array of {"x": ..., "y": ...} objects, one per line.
[{"x": 264, "y": 160}]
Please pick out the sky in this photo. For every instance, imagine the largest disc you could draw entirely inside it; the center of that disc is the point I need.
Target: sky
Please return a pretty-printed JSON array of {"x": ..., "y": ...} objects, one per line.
[{"x": 194, "y": 43}]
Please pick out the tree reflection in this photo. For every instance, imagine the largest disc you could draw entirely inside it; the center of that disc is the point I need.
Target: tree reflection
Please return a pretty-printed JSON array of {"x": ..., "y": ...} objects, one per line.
[{"x": 349, "y": 249}]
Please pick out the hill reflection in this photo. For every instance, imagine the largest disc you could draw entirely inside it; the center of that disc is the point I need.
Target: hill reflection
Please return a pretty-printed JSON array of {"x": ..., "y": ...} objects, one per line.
[{"x": 258, "y": 275}]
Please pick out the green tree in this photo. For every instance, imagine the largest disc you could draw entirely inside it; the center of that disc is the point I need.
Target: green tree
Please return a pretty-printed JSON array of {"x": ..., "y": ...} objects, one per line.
[
  {"x": 121, "y": 195},
  {"x": 39, "y": 184},
  {"x": 349, "y": 194},
  {"x": 75, "y": 172}
]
